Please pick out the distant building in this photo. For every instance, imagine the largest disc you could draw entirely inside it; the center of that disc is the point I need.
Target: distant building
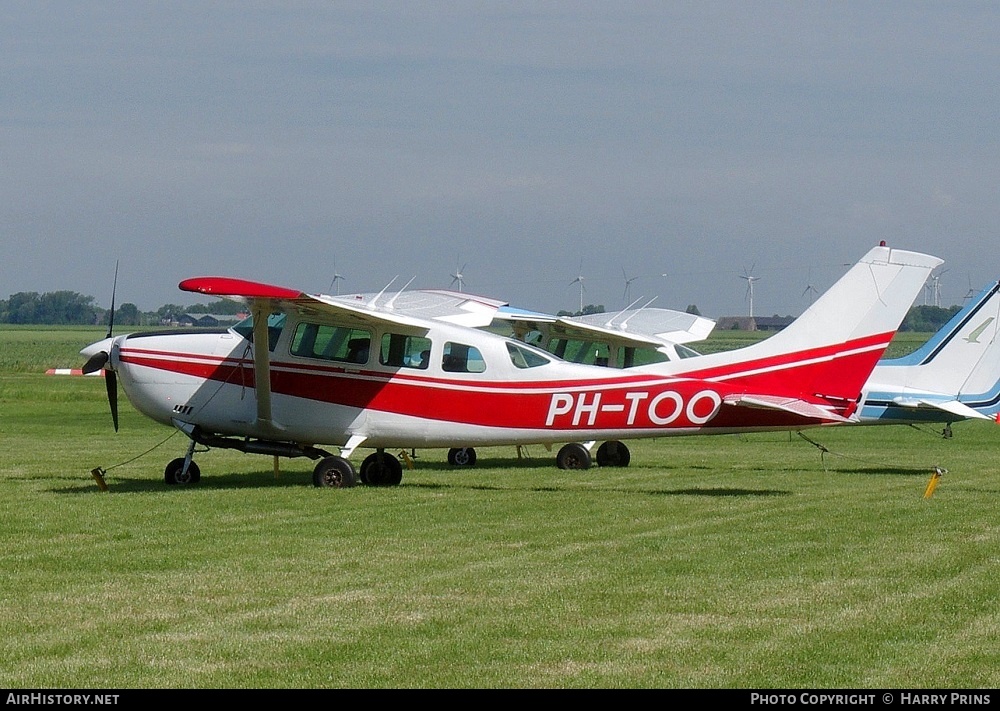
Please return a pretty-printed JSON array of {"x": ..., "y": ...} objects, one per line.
[
  {"x": 772, "y": 323},
  {"x": 752, "y": 323},
  {"x": 208, "y": 320}
]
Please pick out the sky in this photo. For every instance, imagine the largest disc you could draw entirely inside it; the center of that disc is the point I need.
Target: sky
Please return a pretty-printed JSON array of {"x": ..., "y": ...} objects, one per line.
[{"x": 662, "y": 151}]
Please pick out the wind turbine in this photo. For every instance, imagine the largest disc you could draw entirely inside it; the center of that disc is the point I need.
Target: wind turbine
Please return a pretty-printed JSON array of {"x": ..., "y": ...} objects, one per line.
[
  {"x": 934, "y": 286},
  {"x": 458, "y": 277},
  {"x": 750, "y": 280},
  {"x": 579, "y": 280},
  {"x": 628, "y": 287},
  {"x": 810, "y": 289},
  {"x": 970, "y": 293},
  {"x": 336, "y": 278}
]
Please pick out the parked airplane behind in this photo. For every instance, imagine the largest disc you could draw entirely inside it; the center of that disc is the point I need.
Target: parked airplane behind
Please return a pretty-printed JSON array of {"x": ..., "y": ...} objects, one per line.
[{"x": 954, "y": 376}]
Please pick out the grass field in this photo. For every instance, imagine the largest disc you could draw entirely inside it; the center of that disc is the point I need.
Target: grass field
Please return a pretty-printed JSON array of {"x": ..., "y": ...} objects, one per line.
[{"x": 756, "y": 561}]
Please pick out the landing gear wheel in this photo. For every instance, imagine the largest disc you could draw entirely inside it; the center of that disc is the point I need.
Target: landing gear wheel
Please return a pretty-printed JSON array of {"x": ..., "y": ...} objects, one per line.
[
  {"x": 573, "y": 456},
  {"x": 613, "y": 454},
  {"x": 462, "y": 456},
  {"x": 381, "y": 469},
  {"x": 175, "y": 474},
  {"x": 334, "y": 471}
]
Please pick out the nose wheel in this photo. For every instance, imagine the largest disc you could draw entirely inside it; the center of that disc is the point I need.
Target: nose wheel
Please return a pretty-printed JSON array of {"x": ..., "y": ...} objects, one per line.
[{"x": 182, "y": 471}]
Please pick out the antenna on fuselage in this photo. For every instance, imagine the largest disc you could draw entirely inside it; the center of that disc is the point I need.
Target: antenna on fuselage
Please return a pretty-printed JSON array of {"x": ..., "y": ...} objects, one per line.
[
  {"x": 610, "y": 321},
  {"x": 624, "y": 323},
  {"x": 393, "y": 299},
  {"x": 384, "y": 288}
]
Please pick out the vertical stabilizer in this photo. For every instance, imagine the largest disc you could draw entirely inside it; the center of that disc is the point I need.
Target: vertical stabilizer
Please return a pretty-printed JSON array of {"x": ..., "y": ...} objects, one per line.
[{"x": 832, "y": 348}]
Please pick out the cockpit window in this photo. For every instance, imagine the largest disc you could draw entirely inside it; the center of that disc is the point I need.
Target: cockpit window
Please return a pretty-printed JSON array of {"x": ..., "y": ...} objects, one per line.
[
  {"x": 275, "y": 325},
  {"x": 685, "y": 352},
  {"x": 524, "y": 357},
  {"x": 336, "y": 343}
]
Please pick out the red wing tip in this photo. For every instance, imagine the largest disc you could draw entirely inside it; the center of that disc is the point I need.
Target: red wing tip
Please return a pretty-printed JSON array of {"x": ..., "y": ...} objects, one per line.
[{"x": 227, "y": 286}]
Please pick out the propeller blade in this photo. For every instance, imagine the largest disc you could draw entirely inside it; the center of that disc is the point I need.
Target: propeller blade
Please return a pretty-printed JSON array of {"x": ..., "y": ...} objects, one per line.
[
  {"x": 95, "y": 362},
  {"x": 111, "y": 382},
  {"x": 111, "y": 315}
]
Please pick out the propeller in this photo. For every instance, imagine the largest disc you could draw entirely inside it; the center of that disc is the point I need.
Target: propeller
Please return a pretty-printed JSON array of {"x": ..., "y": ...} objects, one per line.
[{"x": 100, "y": 359}]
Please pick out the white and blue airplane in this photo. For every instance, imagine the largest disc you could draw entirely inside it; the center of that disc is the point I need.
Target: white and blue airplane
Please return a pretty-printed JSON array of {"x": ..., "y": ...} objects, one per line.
[{"x": 954, "y": 376}]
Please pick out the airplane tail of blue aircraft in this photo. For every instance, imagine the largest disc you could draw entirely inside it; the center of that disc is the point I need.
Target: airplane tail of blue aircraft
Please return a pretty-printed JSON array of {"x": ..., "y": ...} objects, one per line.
[{"x": 954, "y": 376}]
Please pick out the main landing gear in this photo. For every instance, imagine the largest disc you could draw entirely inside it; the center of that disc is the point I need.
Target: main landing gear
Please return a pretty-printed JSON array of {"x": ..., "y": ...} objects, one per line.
[
  {"x": 571, "y": 456},
  {"x": 377, "y": 469},
  {"x": 381, "y": 469},
  {"x": 610, "y": 454},
  {"x": 334, "y": 471}
]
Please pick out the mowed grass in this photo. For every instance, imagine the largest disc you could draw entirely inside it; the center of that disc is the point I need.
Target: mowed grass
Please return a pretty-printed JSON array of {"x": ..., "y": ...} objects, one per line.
[{"x": 756, "y": 561}]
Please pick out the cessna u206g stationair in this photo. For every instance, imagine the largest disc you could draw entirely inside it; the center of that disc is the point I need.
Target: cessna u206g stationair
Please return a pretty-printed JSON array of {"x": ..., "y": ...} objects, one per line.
[{"x": 416, "y": 369}]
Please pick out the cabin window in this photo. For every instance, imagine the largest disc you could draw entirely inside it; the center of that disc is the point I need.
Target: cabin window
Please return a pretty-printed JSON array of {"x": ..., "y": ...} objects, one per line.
[
  {"x": 577, "y": 351},
  {"x": 336, "y": 343},
  {"x": 629, "y": 357},
  {"x": 401, "y": 351},
  {"x": 460, "y": 358},
  {"x": 275, "y": 325},
  {"x": 524, "y": 357}
]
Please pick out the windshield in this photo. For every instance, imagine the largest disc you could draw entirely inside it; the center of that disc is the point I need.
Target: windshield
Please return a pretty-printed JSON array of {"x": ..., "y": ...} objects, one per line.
[{"x": 275, "y": 324}]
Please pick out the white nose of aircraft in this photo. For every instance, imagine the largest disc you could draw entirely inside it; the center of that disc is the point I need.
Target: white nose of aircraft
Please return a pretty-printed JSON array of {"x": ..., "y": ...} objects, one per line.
[
  {"x": 102, "y": 346},
  {"x": 98, "y": 356}
]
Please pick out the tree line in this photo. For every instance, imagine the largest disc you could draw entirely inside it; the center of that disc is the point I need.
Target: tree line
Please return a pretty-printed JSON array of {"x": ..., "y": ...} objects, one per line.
[{"x": 71, "y": 308}]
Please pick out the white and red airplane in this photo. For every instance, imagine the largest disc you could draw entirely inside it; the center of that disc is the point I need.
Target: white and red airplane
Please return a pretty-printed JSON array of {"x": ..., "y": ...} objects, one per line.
[{"x": 416, "y": 369}]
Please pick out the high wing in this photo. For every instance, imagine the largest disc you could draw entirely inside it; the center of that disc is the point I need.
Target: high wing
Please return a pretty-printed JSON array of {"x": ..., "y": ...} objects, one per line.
[
  {"x": 631, "y": 327},
  {"x": 408, "y": 308},
  {"x": 411, "y": 309},
  {"x": 653, "y": 324}
]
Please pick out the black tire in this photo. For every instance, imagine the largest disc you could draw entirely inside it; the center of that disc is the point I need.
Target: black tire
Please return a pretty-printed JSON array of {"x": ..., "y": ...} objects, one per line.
[
  {"x": 175, "y": 474},
  {"x": 613, "y": 454},
  {"x": 334, "y": 472},
  {"x": 573, "y": 456},
  {"x": 381, "y": 469},
  {"x": 462, "y": 457}
]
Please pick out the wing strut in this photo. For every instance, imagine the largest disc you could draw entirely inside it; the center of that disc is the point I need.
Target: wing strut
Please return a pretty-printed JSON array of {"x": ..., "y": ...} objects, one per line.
[{"x": 261, "y": 309}]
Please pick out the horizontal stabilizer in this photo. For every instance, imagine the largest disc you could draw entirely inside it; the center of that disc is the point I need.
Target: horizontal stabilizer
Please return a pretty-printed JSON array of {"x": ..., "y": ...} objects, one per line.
[
  {"x": 953, "y": 406},
  {"x": 785, "y": 404}
]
